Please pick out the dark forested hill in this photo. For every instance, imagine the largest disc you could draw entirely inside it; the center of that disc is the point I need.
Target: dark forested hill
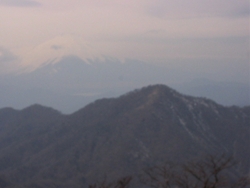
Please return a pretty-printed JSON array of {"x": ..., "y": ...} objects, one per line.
[{"x": 40, "y": 147}]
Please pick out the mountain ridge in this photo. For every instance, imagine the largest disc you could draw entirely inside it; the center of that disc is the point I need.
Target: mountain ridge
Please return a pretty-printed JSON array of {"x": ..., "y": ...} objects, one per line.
[{"x": 117, "y": 137}]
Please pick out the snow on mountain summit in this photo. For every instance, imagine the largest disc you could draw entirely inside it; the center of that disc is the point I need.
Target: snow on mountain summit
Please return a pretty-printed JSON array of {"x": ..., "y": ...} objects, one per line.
[{"x": 54, "y": 50}]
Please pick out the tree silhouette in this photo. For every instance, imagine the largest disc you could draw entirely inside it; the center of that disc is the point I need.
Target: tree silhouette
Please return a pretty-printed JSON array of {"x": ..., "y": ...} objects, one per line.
[
  {"x": 210, "y": 172},
  {"x": 121, "y": 183}
]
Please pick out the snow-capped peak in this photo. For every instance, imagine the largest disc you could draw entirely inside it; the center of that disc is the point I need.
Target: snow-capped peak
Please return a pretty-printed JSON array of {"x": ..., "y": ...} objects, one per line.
[{"x": 52, "y": 51}]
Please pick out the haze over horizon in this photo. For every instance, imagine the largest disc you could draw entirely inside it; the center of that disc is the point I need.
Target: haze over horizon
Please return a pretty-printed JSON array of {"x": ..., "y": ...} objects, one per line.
[
  {"x": 208, "y": 37},
  {"x": 91, "y": 91}
]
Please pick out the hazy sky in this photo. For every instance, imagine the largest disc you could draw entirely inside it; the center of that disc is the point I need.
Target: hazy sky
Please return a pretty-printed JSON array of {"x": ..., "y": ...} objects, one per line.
[{"x": 207, "y": 35}]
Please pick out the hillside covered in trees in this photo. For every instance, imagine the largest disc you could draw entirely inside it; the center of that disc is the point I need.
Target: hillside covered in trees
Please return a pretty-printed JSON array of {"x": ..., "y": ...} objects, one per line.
[{"x": 122, "y": 137}]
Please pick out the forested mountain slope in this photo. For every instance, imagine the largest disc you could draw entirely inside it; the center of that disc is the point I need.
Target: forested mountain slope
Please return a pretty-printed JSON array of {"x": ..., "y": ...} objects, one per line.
[{"x": 40, "y": 147}]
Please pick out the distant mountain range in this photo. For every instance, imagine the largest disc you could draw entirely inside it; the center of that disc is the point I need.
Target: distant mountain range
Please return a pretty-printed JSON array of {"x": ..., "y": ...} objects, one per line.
[
  {"x": 40, "y": 147},
  {"x": 68, "y": 83}
]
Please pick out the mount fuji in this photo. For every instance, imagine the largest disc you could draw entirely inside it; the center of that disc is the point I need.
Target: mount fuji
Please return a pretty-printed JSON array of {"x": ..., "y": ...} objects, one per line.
[
  {"x": 66, "y": 73},
  {"x": 56, "y": 49}
]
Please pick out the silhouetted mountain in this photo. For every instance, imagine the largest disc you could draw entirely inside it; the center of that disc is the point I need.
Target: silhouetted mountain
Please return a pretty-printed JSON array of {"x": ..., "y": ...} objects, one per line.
[{"x": 39, "y": 147}]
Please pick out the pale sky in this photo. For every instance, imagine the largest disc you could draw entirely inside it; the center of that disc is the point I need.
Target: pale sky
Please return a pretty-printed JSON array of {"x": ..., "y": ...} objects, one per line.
[{"x": 202, "y": 34}]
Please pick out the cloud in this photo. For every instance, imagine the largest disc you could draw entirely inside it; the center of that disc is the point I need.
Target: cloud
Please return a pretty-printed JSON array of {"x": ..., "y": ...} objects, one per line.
[
  {"x": 56, "y": 47},
  {"x": 20, "y": 3},
  {"x": 241, "y": 11},
  {"x": 197, "y": 8}
]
